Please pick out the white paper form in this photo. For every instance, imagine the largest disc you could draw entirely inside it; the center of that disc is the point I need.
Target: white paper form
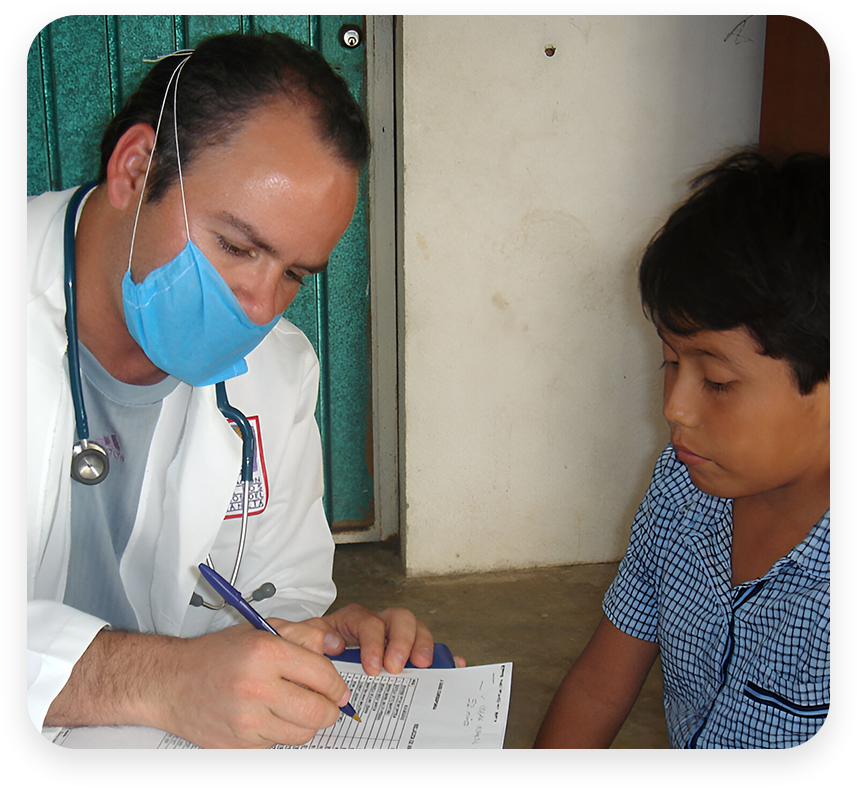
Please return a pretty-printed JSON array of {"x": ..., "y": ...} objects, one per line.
[
  {"x": 455, "y": 708},
  {"x": 461, "y": 708}
]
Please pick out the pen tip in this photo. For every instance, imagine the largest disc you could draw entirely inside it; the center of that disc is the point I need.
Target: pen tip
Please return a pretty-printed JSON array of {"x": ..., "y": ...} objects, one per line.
[{"x": 349, "y": 710}]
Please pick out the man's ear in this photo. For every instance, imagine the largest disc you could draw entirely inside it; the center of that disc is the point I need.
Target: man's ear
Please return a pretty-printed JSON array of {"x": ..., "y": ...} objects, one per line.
[{"x": 126, "y": 167}]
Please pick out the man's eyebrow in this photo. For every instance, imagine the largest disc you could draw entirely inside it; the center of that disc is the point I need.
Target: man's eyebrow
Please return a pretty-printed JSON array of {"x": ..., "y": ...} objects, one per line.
[{"x": 249, "y": 232}]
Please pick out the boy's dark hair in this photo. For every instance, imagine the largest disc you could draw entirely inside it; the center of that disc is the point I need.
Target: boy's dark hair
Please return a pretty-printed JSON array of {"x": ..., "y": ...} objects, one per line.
[
  {"x": 226, "y": 78},
  {"x": 751, "y": 248}
]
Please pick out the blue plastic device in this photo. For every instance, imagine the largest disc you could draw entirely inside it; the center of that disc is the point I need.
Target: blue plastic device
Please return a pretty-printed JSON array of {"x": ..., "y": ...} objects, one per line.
[{"x": 442, "y": 657}]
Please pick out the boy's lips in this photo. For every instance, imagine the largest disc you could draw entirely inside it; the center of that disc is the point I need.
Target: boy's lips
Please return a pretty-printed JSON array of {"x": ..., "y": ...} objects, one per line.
[{"x": 688, "y": 457}]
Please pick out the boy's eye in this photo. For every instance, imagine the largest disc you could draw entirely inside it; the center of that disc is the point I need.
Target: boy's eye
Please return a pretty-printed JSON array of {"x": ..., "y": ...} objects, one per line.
[
  {"x": 301, "y": 279},
  {"x": 713, "y": 386},
  {"x": 710, "y": 385}
]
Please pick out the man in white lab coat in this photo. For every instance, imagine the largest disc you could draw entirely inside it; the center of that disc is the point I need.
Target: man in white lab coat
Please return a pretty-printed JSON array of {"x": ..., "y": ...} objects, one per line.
[{"x": 270, "y": 145}]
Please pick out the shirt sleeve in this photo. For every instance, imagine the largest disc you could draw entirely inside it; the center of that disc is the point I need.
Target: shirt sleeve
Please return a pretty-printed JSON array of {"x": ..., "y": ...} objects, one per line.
[
  {"x": 631, "y": 602},
  {"x": 57, "y": 635}
]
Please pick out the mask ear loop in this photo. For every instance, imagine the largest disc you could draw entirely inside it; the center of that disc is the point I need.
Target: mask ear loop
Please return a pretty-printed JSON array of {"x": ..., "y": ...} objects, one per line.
[
  {"x": 174, "y": 75},
  {"x": 178, "y": 73}
]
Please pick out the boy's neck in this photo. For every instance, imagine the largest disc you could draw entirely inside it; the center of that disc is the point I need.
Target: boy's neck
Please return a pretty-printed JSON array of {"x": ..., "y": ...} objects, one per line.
[{"x": 766, "y": 528}]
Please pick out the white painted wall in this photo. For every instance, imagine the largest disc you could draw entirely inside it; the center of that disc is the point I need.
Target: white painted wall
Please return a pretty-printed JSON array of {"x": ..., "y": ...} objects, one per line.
[{"x": 531, "y": 396}]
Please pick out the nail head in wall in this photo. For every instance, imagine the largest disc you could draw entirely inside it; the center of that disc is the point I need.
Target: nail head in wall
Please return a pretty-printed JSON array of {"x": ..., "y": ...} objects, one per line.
[{"x": 550, "y": 51}]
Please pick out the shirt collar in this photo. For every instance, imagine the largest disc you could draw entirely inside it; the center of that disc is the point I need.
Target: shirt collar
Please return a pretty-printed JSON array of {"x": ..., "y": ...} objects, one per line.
[
  {"x": 813, "y": 553},
  {"x": 704, "y": 512}
]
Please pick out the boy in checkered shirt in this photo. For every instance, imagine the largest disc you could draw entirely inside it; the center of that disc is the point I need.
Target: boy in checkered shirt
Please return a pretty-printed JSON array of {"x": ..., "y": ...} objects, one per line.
[{"x": 727, "y": 573}]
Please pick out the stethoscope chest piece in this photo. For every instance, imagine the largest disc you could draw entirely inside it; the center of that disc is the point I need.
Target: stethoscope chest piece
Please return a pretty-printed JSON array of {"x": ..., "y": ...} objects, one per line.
[{"x": 89, "y": 462}]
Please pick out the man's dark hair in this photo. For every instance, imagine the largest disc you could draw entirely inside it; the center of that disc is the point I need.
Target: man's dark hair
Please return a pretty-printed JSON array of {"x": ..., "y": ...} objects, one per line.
[
  {"x": 226, "y": 78},
  {"x": 750, "y": 248}
]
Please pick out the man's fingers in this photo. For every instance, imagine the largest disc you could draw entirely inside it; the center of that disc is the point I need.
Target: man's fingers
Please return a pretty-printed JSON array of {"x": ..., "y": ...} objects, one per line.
[
  {"x": 309, "y": 634},
  {"x": 407, "y": 638},
  {"x": 296, "y": 658},
  {"x": 387, "y": 639},
  {"x": 250, "y": 688}
]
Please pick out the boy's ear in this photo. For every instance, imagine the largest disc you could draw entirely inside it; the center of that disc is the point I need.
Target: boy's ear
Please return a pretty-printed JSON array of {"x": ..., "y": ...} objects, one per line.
[{"x": 126, "y": 167}]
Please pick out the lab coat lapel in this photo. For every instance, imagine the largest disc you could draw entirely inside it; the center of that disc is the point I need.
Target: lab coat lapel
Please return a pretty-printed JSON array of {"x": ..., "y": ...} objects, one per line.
[
  {"x": 198, "y": 490},
  {"x": 50, "y": 420},
  {"x": 50, "y": 435}
]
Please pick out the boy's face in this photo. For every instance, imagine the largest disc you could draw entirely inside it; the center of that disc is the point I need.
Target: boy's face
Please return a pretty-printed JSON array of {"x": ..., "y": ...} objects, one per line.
[{"x": 737, "y": 420}]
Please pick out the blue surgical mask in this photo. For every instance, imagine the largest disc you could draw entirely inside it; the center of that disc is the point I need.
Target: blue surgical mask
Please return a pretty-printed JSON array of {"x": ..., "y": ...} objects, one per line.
[
  {"x": 183, "y": 314},
  {"x": 188, "y": 322}
]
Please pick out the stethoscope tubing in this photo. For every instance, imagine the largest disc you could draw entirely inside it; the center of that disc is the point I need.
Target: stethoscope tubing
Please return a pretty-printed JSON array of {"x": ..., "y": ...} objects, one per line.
[{"x": 81, "y": 424}]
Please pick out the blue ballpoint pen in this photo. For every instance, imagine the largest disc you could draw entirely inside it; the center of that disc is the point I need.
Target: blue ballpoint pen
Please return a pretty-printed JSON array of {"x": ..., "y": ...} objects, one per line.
[{"x": 232, "y": 597}]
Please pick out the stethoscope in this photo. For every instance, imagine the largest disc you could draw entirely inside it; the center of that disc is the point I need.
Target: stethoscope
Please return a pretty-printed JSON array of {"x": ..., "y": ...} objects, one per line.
[{"x": 89, "y": 461}]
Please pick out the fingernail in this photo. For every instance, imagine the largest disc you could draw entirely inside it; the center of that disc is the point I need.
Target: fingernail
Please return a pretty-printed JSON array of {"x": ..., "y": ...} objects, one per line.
[
  {"x": 344, "y": 699},
  {"x": 331, "y": 643}
]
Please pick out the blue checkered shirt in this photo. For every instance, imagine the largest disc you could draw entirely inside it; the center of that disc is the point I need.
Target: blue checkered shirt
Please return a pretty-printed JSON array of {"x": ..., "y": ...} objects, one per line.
[{"x": 747, "y": 666}]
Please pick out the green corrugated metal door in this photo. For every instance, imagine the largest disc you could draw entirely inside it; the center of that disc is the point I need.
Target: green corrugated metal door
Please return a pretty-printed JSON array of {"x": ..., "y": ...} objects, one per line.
[{"x": 80, "y": 69}]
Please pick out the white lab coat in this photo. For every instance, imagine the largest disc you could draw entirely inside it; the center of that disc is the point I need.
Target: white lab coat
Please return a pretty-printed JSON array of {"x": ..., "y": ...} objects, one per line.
[{"x": 184, "y": 497}]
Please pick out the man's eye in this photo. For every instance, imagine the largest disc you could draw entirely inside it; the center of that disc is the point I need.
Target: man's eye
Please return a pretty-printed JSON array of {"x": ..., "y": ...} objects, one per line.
[
  {"x": 300, "y": 279},
  {"x": 235, "y": 251}
]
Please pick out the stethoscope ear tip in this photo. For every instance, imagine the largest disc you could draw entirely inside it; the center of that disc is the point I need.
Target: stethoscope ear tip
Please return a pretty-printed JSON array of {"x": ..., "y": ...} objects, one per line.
[{"x": 264, "y": 591}]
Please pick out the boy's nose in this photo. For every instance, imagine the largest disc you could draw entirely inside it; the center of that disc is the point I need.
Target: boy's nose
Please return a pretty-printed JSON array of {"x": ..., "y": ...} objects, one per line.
[{"x": 678, "y": 406}]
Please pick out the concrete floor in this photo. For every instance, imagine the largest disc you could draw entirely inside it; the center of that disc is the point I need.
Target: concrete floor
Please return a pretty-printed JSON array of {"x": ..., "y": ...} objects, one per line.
[{"x": 538, "y": 619}]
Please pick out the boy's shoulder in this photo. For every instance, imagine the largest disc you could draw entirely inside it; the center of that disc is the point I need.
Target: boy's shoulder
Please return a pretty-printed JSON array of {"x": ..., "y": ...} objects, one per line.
[
  {"x": 671, "y": 482},
  {"x": 674, "y": 504}
]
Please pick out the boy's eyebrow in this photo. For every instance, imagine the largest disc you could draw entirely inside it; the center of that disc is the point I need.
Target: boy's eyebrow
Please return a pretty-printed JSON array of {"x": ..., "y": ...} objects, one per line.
[{"x": 701, "y": 351}]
